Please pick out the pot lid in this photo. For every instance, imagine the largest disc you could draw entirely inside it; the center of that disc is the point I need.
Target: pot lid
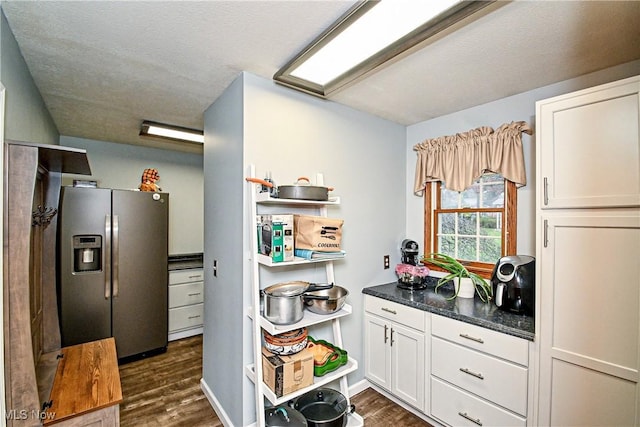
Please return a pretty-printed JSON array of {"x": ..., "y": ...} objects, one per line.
[
  {"x": 282, "y": 416},
  {"x": 287, "y": 289}
]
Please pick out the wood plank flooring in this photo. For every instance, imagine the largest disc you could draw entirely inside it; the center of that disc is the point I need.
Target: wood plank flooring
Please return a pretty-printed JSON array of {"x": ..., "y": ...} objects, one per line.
[{"x": 164, "y": 390}]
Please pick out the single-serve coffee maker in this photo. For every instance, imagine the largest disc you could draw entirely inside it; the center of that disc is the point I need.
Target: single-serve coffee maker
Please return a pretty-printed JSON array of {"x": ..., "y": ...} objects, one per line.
[{"x": 513, "y": 281}]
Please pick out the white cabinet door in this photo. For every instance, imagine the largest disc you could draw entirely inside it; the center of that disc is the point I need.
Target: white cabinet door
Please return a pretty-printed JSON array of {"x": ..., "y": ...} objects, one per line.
[
  {"x": 407, "y": 365},
  {"x": 590, "y": 318},
  {"x": 377, "y": 353},
  {"x": 589, "y": 147}
]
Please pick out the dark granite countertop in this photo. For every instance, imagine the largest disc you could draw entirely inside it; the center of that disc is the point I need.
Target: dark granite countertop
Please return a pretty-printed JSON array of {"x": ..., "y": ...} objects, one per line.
[
  {"x": 185, "y": 261},
  {"x": 468, "y": 310}
]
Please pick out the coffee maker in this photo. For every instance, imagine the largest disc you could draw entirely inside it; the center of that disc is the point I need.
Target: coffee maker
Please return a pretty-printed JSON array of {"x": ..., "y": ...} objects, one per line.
[
  {"x": 513, "y": 282},
  {"x": 409, "y": 250}
]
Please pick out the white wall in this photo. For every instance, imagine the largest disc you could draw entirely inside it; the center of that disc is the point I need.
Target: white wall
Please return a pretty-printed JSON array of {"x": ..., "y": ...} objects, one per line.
[
  {"x": 120, "y": 166},
  {"x": 514, "y": 108}
]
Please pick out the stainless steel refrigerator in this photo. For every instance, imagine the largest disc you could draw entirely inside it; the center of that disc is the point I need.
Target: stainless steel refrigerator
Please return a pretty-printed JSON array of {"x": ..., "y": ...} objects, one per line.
[{"x": 113, "y": 272}]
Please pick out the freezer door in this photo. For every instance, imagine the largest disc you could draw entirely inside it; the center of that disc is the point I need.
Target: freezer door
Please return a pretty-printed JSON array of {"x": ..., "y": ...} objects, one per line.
[
  {"x": 83, "y": 292},
  {"x": 140, "y": 271}
]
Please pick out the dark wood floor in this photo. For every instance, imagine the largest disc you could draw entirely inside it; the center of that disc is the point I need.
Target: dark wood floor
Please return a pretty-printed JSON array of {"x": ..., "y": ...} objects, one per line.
[{"x": 164, "y": 390}]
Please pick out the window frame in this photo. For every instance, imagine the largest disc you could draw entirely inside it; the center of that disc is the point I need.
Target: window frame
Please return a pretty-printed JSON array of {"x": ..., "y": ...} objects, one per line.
[{"x": 432, "y": 193}]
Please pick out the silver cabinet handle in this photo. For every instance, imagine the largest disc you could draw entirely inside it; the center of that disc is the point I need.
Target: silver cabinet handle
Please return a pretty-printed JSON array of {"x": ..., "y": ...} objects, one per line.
[
  {"x": 473, "y": 420},
  {"x": 546, "y": 190},
  {"x": 473, "y": 374},
  {"x": 197, "y": 276},
  {"x": 193, "y": 295},
  {"x": 385, "y": 334},
  {"x": 388, "y": 310},
  {"x": 391, "y": 344},
  {"x": 469, "y": 337},
  {"x": 546, "y": 233},
  {"x": 193, "y": 317}
]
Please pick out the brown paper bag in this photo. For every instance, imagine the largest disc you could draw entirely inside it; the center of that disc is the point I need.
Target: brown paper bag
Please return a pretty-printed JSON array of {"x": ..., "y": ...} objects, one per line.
[{"x": 317, "y": 233}]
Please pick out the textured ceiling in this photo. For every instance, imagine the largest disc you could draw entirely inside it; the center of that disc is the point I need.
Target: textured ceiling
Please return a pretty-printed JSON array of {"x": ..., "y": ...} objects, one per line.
[{"x": 104, "y": 66}]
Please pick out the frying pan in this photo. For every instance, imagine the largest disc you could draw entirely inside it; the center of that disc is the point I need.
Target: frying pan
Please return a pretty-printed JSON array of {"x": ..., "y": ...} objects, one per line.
[{"x": 301, "y": 190}]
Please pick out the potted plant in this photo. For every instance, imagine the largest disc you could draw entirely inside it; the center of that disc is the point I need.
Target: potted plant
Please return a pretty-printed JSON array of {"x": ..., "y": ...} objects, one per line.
[{"x": 458, "y": 271}]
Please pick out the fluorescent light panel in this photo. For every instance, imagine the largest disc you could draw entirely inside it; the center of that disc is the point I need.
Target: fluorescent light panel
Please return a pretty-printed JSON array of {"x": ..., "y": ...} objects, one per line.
[
  {"x": 367, "y": 36},
  {"x": 175, "y": 133},
  {"x": 378, "y": 28}
]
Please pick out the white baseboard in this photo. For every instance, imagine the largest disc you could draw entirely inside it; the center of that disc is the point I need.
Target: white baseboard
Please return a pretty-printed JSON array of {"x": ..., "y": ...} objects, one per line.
[
  {"x": 224, "y": 418},
  {"x": 184, "y": 334}
]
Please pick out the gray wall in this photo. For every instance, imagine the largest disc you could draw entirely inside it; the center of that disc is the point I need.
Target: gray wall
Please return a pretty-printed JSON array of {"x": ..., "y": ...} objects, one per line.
[
  {"x": 293, "y": 134},
  {"x": 222, "y": 363},
  {"x": 514, "y": 108},
  {"x": 26, "y": 116},
  {"x": 121, "y": 165}
]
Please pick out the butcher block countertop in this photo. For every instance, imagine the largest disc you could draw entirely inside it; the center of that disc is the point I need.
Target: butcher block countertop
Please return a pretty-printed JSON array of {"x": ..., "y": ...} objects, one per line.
[
  {"x": 469, "y": 310},
  {"x": 87, "y": 379}
]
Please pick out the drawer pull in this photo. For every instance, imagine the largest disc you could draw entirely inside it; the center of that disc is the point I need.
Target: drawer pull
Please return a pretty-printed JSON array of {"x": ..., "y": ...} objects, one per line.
[
  {"x": 193, "y": 317},
  {"x": 388, "y": 310},
  {"x": 197, "y": 276},
  {"x": 194, "y": 294},
  {"x": 469, "y": 337},
  {"x": 473, "y": 420},
  {"x": 473, "y": 374}
]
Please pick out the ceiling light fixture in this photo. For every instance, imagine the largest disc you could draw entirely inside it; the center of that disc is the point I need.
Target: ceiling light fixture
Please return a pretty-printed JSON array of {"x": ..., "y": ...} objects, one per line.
[
  {"x": 174, "y": 133},
  {"x": 370, "y": 34}
]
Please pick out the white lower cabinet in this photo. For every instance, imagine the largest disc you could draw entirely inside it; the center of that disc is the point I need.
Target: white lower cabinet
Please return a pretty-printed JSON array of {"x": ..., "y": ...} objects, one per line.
[
  {"x": 456, "y": 407},
  {"x": 455, "y": 372},
  {"x": 186, "y": 302},
  {"x": 478, "y": 376},
  {"x": 394, "y": 351}
]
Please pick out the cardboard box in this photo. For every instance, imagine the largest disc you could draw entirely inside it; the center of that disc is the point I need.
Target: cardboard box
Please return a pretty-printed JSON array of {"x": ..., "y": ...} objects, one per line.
[
  {"x": 276, "y": 238},
  {"x": 286, "y": 374}
]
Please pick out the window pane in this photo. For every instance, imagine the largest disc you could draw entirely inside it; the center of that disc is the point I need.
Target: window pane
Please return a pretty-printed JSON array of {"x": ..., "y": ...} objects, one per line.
[
  {"x": 490, "y": 250},
  {"x": 447, "y": 223},
  {"x": 491, "y": 177},
  {"x": 448, "y": 199},
  {"x": 467, "y": 248},
  {"x": 447, "y": 245},
  {"x": 491, "y": 224},
  {"x": 467, "y": 223},
  {"x": 471, "y": 197},
  {"x": 493, "y": 196}
]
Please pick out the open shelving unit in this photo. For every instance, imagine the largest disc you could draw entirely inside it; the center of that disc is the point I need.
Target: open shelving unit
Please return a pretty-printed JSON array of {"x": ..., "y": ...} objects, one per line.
[{"x": 258, "y": 261}]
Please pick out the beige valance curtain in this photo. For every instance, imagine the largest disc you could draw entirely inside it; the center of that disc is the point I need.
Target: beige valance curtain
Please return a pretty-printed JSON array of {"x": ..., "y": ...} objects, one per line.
[{"x": 459, "y": 160}]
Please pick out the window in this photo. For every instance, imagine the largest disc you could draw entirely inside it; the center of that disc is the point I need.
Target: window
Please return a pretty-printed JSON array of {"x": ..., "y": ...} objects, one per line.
[{"x": 476, "y": 226}]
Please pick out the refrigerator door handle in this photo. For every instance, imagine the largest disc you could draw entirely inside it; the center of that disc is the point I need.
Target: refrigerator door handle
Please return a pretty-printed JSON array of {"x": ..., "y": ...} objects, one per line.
[
  {"x": 116, "y": 250},
  {"x": 107, "y": 256}
]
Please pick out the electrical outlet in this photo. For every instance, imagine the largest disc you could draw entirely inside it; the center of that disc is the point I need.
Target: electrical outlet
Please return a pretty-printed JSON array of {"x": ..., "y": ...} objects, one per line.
[{"x": 386, "y": 262}]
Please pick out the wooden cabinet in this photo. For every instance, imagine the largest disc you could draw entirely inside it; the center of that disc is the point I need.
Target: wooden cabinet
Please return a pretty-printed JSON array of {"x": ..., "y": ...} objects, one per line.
[
  {"x": 186, "y": 302},
  {"x": 478, "y": 376},
  {"x": 588, "y": 247},
  {"x": 395, "y": 349}
]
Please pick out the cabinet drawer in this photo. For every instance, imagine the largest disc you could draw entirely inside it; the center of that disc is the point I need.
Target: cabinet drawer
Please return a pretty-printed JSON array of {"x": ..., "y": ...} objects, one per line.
[
  {"x": 457, "y": 408},
  {"x": 496, "y": 380},
  {"x": 495, "y": 343},
  {"x": 186, "y": 317},
  {"x": 186, "y": 276},
  {"x": 399, "y": 313},
  {"x": 185, "y": 294}
]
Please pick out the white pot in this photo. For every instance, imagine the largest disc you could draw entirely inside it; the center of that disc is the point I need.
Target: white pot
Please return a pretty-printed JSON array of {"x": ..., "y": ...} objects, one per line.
[{"x": 465, "y": 289}]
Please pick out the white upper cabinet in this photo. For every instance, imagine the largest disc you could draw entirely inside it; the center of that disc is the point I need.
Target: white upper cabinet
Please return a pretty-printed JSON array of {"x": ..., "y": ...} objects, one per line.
[{"x": 591, "y": 151}]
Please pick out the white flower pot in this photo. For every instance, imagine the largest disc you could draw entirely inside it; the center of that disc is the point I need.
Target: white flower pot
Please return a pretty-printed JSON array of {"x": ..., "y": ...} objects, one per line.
[{"x": 465, "y": 289}]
